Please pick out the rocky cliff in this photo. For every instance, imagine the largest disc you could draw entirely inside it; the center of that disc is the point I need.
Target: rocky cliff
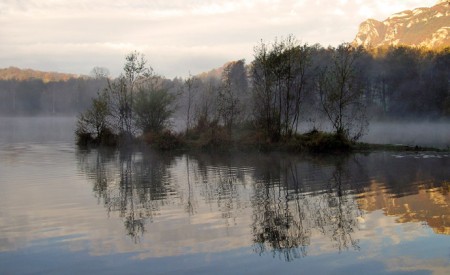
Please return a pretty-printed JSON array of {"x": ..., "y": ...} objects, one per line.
[{"x": 423, "y": 27}]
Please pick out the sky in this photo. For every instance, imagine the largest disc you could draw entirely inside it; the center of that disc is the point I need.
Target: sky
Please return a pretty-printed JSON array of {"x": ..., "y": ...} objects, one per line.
[{"x": 177, "y": 37}]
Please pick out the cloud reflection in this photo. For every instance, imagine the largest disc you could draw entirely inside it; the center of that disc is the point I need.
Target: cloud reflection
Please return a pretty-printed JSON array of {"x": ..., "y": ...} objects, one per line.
[{"x": 153, "y": 205}]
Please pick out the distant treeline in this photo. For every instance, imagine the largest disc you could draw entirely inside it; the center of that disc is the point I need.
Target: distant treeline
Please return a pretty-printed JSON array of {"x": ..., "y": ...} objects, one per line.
[
  {"x": 395, "y": 82},
  {"x": 407, "y": 82},
  {"x": 38, "y": 97},
  {"x": 14, "y": 73}
]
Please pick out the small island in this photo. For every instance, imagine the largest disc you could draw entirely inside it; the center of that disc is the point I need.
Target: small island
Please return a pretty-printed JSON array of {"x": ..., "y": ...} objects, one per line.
[{"x": 328, "y": 92}]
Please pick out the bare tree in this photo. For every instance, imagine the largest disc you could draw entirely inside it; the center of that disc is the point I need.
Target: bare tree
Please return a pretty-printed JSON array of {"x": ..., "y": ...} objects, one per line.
[
  {"x": 206, "y": 113},
  {"x": 341, "y": 90},
  {"x": 121, "y": 92},
  {"x": 190, "y": 85},
  {"x": 234, "y": 85},
  {"x": 279, "y": 74},
  {"x": 263, "y": 93},
  {"x": 100, "y": 72}
]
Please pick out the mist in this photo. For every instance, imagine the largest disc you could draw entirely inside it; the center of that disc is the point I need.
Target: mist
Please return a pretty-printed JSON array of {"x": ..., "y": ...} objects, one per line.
[
  {"x": 406, "y": 85},
  {"x": 412, "y": 133},
  {"x": 41, "y": 129}
]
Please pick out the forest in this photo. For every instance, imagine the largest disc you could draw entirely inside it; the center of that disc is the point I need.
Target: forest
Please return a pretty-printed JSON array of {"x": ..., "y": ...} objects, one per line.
[
  {"x": 286, "y": 86},
  {"x": 32, "y": 97}
]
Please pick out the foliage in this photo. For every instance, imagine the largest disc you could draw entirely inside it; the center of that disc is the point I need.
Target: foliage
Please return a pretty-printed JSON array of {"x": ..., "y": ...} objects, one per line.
[
  {"x": 279, "y": 74},
  {"x": 36, "y": 97},
  {"x": 165, "y": 140},
  {"x": 153, "y": 108},
  {"x": 134, "y": 99},
  {"x": 287, "y": 84},
  {"x": 122, "y": 89},
  {"x": 317, "y": 141},
  {"x": 93, "y": 125},
  {"x": 206, "y": 111},
  {"x": 14, "y": 73},
  {"x": 234, "y": 85}
]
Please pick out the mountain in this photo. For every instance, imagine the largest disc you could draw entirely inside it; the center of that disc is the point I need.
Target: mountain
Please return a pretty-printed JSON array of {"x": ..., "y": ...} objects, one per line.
[
  {"x": 14, "y": 73},
  {"x": 422, "y": 27}
]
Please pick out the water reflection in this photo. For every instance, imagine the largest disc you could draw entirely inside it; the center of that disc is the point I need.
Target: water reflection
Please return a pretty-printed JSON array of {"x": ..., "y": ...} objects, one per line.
[
  {"x": 135, "y": 185},
  {"x": 285, "y": 216},
  {"x": 278, "y": 204}
]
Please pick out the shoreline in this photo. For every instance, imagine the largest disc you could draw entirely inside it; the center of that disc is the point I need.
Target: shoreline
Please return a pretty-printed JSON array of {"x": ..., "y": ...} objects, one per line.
[{"x": 319, "y": 143}]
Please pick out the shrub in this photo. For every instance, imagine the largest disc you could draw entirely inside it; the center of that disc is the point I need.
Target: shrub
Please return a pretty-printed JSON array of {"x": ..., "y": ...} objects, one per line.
[
  {"x": 324, "y": 142},
  {"x": 153, "y": 108},
  {"x": 83, "y": 138},
  {"x": 165, "y": 140}
]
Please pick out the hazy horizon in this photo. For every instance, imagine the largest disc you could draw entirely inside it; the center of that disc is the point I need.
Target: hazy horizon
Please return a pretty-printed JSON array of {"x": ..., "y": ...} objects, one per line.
[{"x": 177, "y": 37}]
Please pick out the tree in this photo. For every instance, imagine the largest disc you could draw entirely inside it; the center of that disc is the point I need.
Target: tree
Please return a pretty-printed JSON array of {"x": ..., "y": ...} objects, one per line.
[
  {"x": 279, "y": 74},
  {"x": 206, "y": 113},
  {"x": 93, "y": 124},
  {"x": 153, "y": 107},
  {"x": 263, "y": 93},
  {"x": 233, "y": 86},
  {"x": 100, "y": 72},
  {"x": 121, "y": 91},
  {"x": 340, "y": 90},
  {"x": 119, "y": 103},
  {"x": 190, "y": 85}
]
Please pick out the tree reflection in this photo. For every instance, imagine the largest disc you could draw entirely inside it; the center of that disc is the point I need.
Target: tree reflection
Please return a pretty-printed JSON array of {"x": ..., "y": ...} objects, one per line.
[
  {"x": 289, "y": 203},
  {"x": 219, "y": 177},
  {"x": 337, "y": 217},
  {"x": 131, "y": 184},
  {"x": 285, "y": 217},
  {"x": 139, "y": 185},
  {"x": 190, "y": 200},
  {"x": 287, "y": 209}
]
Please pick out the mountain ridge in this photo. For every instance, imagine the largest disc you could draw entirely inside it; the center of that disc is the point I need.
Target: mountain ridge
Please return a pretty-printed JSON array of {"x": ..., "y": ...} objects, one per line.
[{"x": 420, "y": 27}]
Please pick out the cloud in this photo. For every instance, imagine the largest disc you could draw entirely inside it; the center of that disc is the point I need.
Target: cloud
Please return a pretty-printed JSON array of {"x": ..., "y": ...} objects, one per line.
[{"x": 33, "y": 31}]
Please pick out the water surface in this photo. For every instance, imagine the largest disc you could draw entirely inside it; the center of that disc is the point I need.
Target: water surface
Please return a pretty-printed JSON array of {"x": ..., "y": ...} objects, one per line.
[{"x": 64, "y": 210}]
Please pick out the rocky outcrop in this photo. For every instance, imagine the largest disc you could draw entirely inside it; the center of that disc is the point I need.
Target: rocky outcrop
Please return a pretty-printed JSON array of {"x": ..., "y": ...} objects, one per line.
[{"x": 422, "y": 27}]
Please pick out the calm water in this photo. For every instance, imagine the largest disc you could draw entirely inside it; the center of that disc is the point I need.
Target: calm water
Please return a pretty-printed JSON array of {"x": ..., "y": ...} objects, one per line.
[{"x": 67, "y": 211}]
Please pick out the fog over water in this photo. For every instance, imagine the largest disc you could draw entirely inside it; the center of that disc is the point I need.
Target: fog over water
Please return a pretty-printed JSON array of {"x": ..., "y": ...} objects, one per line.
[
  {"x": 71, "y": 210},
  {"x": 57, "y": 129},
  {"x": 412, "y": 133},
  {"x": 42, "y": 129},
  {"x": 424, "y": 133}
]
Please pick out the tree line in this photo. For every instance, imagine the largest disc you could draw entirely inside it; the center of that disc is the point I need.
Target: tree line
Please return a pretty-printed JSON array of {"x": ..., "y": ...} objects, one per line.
[
  {"x": 288, "y": 83},
  {"x": 38, "y": 97}
]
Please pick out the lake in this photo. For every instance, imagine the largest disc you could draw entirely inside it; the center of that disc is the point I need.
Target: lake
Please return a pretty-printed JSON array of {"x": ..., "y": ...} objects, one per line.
[{"x": 65, "y": 210}]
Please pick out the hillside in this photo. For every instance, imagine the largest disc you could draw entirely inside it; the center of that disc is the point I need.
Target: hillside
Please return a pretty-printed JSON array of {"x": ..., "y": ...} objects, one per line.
[
  {"x": 422, "y": 27},
  {"x": 14, "y": 73}
]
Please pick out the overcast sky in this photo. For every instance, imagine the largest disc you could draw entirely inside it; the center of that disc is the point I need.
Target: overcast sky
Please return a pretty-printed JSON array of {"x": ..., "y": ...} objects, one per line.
[{"x": 176, "y": 36}]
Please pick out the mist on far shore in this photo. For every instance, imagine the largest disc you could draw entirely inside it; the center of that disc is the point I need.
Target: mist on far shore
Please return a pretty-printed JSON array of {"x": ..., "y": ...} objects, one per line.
[
  {"x": 56, "y": 129},
  {"x": 420, "y": 133}
]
